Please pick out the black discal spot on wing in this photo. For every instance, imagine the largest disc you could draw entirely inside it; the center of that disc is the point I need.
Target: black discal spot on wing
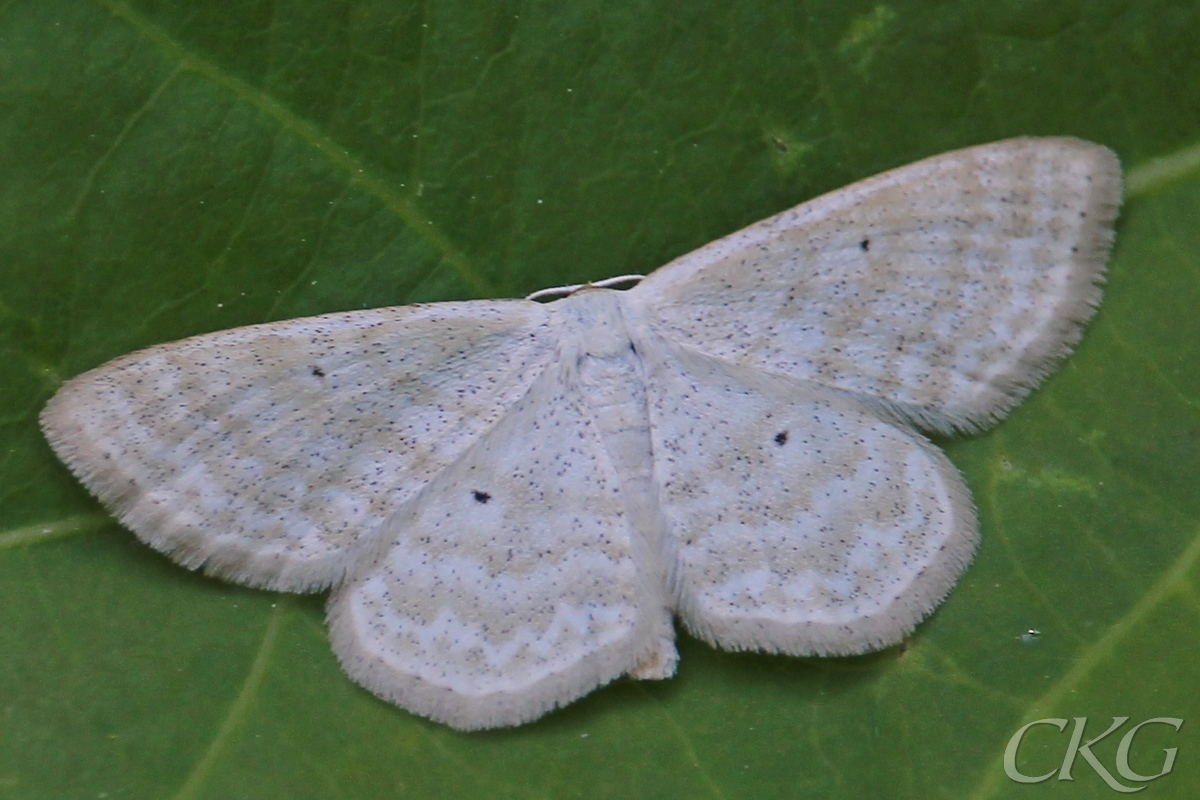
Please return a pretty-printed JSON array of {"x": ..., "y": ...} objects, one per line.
[
  {"x": 480, "y": 497},
  {"x": 318, "y": 372},
  {"x": 865, "y": 244},
  {"x": 781, "y": 438}
]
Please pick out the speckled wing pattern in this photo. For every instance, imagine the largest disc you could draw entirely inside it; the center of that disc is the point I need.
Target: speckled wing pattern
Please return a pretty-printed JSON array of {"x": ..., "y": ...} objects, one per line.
[
  {"x": 946, "y": 288},
  {"x": 263, "y": 453},
  {"x": 805, "y": 514},
  {"x": 801, "y": 520},
  {"x": 511, "y": 584},
  {"x": 510, "y": 499}
]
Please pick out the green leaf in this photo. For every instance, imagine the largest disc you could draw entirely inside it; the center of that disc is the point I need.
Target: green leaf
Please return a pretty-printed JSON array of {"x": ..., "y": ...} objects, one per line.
[{"x": 169, "y": 168}]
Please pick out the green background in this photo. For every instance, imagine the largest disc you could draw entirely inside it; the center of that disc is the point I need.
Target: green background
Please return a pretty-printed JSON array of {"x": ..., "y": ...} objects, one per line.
[{"x": 170, "y": 167}]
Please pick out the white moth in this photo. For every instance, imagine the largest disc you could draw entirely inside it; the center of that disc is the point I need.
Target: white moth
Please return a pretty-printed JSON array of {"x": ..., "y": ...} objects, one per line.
[{"x": 511, "y": 500}]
